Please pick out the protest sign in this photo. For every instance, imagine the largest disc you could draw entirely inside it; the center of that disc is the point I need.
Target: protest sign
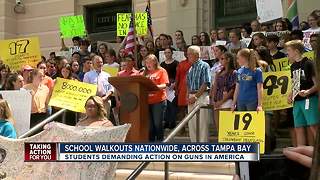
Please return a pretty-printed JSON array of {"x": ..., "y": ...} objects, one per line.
[
  {"x": 20, "y": 104},
  {"x": 222, "y": 43},
  {"x": 278, "y": 33},
  {"x": 242, "y": 127},
  {"x": 306, "y": 38},
  {"x": 177, "y": 55},
  {"x": 282, "y": 64},
  {"x": 71, "y": 26},
  {"x": 247, "y": 41},
  {"x": 18, "y": 52},
  {"x": 123, "y": 23},
  {"x": 14, "y": 166},
  {"x": 268, "y": 10},
  {"x": 71, "y": 94},
  {"x": 113, "y": 71},
  {"x": 141, "y": 24},
  {"x": 276, "y": 89}
]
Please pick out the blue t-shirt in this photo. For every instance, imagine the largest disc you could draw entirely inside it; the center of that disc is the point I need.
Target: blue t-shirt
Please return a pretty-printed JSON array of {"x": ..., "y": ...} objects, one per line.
[
  {"x": 248, "y": 81},
  {"x": 7, "y": 129}
]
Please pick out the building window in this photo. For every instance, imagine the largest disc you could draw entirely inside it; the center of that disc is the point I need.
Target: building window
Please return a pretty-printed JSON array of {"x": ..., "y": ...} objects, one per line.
[{"x": 231, "y": 13}]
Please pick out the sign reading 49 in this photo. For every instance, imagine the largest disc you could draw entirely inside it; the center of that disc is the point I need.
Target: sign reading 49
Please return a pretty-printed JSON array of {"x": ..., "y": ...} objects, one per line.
[{"x": 276, "y": 88}]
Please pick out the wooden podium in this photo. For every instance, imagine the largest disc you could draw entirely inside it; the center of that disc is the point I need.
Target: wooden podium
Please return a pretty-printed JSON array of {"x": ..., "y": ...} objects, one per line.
[{"x": 134, "y": 105}]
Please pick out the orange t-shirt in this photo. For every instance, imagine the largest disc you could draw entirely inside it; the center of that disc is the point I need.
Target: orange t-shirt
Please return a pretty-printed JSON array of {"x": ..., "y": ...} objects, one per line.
[
  {"x": 48, "y": 81},
  {"x": 158, "y": 77},
  {"x": 181, "y": 79}
]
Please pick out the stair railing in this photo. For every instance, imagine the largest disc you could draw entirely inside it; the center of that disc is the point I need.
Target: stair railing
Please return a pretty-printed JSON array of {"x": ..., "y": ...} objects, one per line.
[
  {"x": 43, "y": 123},
  {"x": 174, "y": 132}
]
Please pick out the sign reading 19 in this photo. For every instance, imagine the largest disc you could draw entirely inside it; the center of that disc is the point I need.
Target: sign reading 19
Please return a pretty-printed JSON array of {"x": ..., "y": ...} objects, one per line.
[
  {"x": 246, "y": 119},
  {"x": 18, "y": 47}
]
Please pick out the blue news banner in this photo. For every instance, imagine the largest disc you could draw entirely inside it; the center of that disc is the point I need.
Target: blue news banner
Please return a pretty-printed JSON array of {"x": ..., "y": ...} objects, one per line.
[{"x": 158, "y": 152}]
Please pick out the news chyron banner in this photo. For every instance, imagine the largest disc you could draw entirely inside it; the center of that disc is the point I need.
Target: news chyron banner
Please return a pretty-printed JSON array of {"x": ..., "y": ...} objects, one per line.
[
  {"x": 71, "y": 94},
  {"x": 276, "y": 89},
  {"x": 81, "y": 152},
  {"x": 242, "y": 127},
  {"x": 18, "y": 52}
]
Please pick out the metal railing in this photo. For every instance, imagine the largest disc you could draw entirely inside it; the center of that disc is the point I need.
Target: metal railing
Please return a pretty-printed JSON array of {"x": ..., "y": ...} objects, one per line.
[
  {"x": 43, "y": 123},
  {"x": 180, "y": 126}
]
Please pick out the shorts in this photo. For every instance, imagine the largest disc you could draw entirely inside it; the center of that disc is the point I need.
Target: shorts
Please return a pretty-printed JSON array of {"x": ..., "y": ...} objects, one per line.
[{"x": 306, "y": 117}]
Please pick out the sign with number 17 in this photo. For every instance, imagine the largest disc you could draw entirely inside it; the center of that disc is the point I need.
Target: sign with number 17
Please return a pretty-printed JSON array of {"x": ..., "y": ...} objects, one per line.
[
  {"x": 18, "y": 52},
  {"x": 246, "y": 126}
]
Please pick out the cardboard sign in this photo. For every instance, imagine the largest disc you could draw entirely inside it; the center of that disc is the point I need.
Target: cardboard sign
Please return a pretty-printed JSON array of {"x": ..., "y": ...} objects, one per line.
[
  {"x": 268, "y": 10},
  {"x": 242, "y": 127},
  {"x": 71, "y": 94},
  {"x": 18, "y": 52},
  {"x": 222, "y": 43},
  {"x": 71, "y": 26},
  {"x": 177, "y": 55},
  {"x": 21, "y": 109},
  {"x": 113, "y": 71},
  {"x": 276, "y": 89},
  {"x": 123, "y": 23}
]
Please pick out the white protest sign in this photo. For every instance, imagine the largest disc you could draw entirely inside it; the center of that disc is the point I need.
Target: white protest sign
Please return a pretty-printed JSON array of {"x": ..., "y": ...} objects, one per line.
[
  {"x": 20, "y": 104},
  {"x": 268, "y": 10},
  {"x": 177, "y": 55},
  {"x": 206, "y": 53},
  {"x": 223, "y": 43},
  {"x": 306, "y": 38},
  {"x": 246, "y": 41}
]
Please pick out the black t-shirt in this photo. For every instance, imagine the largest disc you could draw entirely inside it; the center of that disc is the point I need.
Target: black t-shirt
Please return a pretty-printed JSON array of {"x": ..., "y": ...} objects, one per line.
[
  {"x": 307, "y": 72},
  {"x": 171, "y": 69}
]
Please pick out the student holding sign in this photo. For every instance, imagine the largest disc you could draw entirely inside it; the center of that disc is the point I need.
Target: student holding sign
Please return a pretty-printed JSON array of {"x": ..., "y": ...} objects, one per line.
[
  {"x": 304, "y": 93},
  {"x": 224, "y": 85},
  {"x": 249, "y": 89}
]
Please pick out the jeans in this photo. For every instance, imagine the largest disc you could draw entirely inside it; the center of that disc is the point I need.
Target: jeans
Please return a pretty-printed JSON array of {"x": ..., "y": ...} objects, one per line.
[
  {"x": 156, "y": 114},
  {"x": 171, "y": 114},
  {"x": 247, "y": 106}
]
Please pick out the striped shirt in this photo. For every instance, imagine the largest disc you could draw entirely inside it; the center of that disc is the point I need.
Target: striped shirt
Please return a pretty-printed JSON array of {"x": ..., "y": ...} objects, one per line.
[{"x": 198, "y": 74}]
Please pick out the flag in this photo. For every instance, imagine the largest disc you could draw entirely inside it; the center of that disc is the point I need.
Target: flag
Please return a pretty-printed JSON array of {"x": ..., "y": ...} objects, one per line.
[
  {"x": 292, "y": 14},
  {"x": 149, "y": 19},
  {"x": 130, "y": 42}
]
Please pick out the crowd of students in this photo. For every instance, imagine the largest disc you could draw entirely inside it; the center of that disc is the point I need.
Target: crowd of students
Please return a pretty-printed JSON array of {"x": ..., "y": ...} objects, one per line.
[{"x": 232, "y": 80}]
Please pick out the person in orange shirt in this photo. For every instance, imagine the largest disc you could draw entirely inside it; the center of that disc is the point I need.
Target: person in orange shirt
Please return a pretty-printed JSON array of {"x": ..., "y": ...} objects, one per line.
[
  {"x": 48, "y": 81},
  {"x": 40, "y": 97},
  {"x": 181, "y": 88},
  {"x": 157, "y": 99}
]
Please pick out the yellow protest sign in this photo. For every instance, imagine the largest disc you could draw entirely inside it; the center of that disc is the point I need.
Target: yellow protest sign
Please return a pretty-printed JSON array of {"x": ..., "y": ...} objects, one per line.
[
  {"x": 309, "y": 55},
  {"x": 141, "y": 23},
  {"x": 18, "y": 52},
  {"x": 280, "y": 64},
  {"x": 71, "y": 94},
  {"x": 113, "y": 71},
  {"x": 276, "y": 89},
  {"x": 242, "y": 127},
  {"x": 283, "y": 63},
  {"x": 123, "y": 23}
]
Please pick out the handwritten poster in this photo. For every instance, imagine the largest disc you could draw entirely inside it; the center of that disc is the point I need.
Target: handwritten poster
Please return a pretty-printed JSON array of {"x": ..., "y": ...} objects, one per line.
[
  {"x": 268, "y": 10},
  {"x": 71, "y": 94},
  {"x": 239, "y": 126},
  {"x": 276, "y": 89},
  {"x": 18, "y": 52},
  {"x": 71, "y": 26}
]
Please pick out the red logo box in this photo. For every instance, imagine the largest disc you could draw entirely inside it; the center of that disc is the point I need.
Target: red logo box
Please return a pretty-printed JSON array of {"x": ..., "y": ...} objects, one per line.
[{"x": 40, "y": 152}]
